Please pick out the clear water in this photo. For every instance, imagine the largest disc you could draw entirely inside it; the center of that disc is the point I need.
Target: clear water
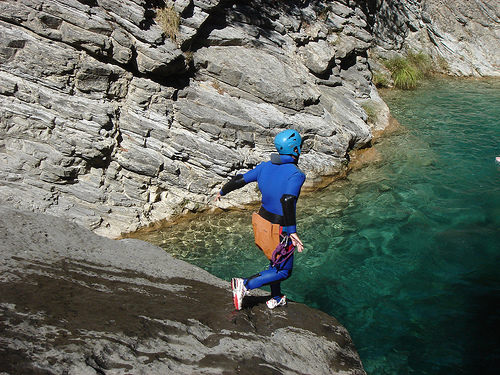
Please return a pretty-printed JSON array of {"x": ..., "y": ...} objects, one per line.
[{"x": 405, "y": 253}]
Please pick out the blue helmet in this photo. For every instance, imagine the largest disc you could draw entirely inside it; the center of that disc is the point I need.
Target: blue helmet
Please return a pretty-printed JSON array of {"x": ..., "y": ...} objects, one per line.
[{"x": 288, "y": 142}]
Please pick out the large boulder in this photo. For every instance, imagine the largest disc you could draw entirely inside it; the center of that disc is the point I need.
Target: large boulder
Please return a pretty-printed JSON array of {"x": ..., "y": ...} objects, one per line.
[{"x": 72, "y": 302}]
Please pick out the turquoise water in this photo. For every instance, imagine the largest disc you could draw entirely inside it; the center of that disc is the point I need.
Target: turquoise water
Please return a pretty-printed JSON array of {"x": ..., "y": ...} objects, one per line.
[{"x": 405, "y": 252}]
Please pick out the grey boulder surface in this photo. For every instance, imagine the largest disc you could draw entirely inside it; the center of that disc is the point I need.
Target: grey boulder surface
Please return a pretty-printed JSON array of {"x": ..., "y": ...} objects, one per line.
[{"x": 73, "y": 302}]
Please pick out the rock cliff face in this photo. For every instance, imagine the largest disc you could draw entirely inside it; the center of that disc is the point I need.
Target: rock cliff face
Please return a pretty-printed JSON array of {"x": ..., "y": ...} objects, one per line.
[
  {"x": 462, "y": 37},
  {"x": 110, "y": 120},
  {"x": 75, "y": 303}
]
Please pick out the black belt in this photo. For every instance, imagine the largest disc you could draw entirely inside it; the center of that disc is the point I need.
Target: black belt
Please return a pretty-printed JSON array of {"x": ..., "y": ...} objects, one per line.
[{"x": 273, "y": 218}]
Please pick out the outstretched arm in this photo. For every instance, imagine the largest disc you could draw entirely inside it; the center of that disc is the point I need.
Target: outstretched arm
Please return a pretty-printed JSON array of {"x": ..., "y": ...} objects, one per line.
[{"x": 235, "y": 183}]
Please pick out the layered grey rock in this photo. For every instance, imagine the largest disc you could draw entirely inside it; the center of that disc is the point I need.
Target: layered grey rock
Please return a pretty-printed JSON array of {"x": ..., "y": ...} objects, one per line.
[
  {"x": 462, "y": 37},
  {"x": 72, "y": 302},
  {"x": 108, "y": 121}
]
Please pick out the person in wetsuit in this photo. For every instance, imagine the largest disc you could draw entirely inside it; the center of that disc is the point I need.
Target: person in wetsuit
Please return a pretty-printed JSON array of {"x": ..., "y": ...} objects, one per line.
[{"x": 279, "y": 181}]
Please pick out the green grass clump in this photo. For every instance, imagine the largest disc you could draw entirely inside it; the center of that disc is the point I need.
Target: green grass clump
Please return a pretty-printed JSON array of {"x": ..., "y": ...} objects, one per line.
[
  {"x": 169, "y": 20},
  {"x": 407, "y": 71},
  {"x": 371, "y": 112},
  {"x": 404, "y": 74},
  {"x": 421, "y": 61}
]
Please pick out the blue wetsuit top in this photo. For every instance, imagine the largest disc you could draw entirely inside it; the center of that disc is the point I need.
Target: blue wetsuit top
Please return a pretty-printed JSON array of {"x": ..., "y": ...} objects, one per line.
[{"x": 276, "y": 178}]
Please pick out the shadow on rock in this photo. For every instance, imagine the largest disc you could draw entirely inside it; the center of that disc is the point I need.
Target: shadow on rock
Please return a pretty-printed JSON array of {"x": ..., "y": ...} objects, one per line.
[{"x": 69, "y": 315}]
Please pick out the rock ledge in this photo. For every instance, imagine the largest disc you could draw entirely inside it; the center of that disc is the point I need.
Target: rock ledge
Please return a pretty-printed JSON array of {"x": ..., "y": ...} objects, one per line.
[{"x": 73, "y": 302}]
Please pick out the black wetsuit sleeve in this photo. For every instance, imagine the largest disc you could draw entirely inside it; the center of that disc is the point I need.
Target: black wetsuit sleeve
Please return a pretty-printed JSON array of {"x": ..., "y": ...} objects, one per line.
[
  {"x": 235, "y": 183},
  {"x": 288, "y": 204}
]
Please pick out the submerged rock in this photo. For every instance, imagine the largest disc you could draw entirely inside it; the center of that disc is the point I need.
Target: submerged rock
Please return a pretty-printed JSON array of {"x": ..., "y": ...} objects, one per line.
[{"x": 73, "y": 302}]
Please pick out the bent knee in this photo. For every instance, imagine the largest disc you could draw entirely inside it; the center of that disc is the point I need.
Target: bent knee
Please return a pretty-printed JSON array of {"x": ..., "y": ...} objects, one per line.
[{"x": 285, "y": 274}]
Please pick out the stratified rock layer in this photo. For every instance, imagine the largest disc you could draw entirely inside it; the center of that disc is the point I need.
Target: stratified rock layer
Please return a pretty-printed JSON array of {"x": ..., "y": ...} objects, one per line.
[
  {"x": 462, "y": 37},
  {"x": 108, "y": 121}
]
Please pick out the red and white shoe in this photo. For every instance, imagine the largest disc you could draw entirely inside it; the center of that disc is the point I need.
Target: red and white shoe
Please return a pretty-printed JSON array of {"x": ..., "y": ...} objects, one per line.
[
  {"x": 239, "y": 291},
  {"x": 273, "y": 302}
]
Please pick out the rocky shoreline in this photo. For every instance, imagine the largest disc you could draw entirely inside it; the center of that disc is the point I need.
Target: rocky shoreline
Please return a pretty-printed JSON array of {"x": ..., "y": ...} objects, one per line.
[{"x": 76, "y": 303}]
